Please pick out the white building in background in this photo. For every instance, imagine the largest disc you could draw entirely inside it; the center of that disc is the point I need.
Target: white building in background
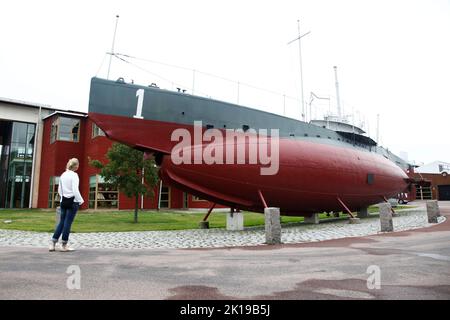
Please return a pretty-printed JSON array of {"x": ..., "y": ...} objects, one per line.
[
  {"x": 434, "y": 167},
  {"x": 21, "y": 134}
]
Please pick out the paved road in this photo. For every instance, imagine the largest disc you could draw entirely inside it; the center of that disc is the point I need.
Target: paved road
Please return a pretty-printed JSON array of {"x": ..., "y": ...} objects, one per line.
[{"x": 413, "y": 265}]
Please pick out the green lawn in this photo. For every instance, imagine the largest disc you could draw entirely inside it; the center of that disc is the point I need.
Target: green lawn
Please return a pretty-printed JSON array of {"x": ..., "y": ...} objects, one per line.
[{"x": 115, "y": 221}]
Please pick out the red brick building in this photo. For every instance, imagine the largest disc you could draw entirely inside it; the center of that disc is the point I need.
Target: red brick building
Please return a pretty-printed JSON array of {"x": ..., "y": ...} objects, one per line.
[
  {"x": 434, "y": 186},
  {"x": 72, "y": 135}
]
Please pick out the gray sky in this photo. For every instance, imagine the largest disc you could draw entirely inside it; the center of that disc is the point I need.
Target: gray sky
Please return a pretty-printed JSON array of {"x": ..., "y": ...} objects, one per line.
[{"x": 393, "y": 57}]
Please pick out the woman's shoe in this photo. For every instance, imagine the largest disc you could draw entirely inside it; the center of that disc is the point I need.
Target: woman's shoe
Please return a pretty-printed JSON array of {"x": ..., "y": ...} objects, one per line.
[
  {"x": 66, "y": 248},
  {"x": 52, "y": 246}
]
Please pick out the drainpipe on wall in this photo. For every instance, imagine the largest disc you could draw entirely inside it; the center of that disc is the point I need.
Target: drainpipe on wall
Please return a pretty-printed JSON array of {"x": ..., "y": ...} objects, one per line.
[
  {"x": 142, "y": 195},
  {"x": 33, "y": 170},
  {"x": 159, "y": 194}
]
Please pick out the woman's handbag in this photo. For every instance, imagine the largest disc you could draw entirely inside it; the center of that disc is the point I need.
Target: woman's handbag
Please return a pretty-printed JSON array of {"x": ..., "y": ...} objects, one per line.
[{"x": 66, "y": 203}]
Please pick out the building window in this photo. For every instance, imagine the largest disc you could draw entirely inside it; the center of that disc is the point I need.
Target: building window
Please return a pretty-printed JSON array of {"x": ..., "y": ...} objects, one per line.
[
  {"x": 164, "y": 201},
  {"x": 185, "y": 200},
  {"x": 69, "y": 129},
  {"x": 16, "y": 162},
  {"x": 53, "y": 195},
  {"x": 424, "y": 192},
  {"x": 102, "y": 195},
  {"x": 195, "y": 198},
  {"x": 92, "y": 191},
  {"x": 54, "y": 131},
  {"x": 65, "y": 129},
  {"x": 96, "y": 131}
]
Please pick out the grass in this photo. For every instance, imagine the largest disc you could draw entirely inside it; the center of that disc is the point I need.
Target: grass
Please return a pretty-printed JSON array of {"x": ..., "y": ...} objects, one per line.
[{"x": 120, "y": 221}]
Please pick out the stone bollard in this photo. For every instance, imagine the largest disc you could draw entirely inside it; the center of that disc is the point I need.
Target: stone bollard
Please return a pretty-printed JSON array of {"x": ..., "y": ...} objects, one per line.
[
  {"x": 314, "y": 219},
  {"x": 433, "y": 211},
  {"x": 386, "y": 217},
  {"x": 363, "y": 213},
  {"x": 235, "y": 221},
  {"x": 273, "y": 225}
]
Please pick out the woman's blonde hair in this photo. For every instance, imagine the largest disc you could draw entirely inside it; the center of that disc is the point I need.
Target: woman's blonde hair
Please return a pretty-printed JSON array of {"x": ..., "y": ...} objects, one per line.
[{"x": 72, "y": 163}]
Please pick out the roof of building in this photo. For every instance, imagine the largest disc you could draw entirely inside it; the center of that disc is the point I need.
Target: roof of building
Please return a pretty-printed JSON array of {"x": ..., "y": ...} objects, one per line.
[
  {"x": 44, "y": 106},
  {"x": 434, "y": 167},
  {"x": 67, "y": 113},
  {"x": 26, "y": 103},
  {"x": 437, "y": 162}
]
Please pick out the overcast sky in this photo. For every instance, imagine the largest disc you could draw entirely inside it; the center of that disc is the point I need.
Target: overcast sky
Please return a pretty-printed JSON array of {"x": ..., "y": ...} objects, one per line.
[{"x": 393, "y": 57}]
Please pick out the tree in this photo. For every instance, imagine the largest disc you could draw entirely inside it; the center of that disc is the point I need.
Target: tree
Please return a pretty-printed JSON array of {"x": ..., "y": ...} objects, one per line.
[{"x": 130, "y": 171}]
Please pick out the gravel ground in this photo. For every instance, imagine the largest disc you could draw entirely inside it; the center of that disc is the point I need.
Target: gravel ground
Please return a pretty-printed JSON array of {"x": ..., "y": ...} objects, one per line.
[{"x": 212, "y": 238}]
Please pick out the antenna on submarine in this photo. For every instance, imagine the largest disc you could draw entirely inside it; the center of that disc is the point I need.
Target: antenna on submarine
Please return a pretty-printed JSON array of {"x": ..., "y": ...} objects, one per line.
[
  {"x": 300, "y": 36},
  {"x": 378, "y": 128},
  {"x": 338, "y": 100},
  {"x": 111, "y": 54}
]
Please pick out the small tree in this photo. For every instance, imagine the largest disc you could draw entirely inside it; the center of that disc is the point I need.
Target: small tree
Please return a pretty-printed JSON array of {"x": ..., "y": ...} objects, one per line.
[{"x": 126, "y": 169}]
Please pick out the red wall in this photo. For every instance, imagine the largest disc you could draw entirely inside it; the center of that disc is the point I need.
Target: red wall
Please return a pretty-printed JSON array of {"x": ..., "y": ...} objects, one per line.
[
  {"x": 54, "y": 159},
  {"x": 198, "y": 204},
  {"x": 434, "y": 181},
  {"x": 176, "y": 198},
  {"x": 94, "y": 149},
  {"x": 55, "y": 156}
]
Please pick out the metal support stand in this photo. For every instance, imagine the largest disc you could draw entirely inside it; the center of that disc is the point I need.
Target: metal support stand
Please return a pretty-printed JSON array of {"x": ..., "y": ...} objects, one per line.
[
  {"x": 209, "y": 212},
  {"x": 345, "y": 207},
  {"x": 262, "y": 198},
  {"x": 204, "y": 224}
]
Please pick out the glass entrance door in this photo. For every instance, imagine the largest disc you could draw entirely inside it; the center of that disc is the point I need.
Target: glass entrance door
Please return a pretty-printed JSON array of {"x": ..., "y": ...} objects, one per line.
[
  {"x": 5, "y": 144},
  {"x": 165, "y": 197},
  {"x": 20, "y": 165}
]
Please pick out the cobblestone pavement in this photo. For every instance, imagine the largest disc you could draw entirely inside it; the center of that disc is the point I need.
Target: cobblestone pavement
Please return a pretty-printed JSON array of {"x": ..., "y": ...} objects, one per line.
[{"x": 408, "y": 219}]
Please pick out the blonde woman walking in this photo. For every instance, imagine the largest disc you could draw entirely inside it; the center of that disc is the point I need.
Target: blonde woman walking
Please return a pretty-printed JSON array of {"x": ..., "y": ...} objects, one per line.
[{"x": 71, "y": 200}]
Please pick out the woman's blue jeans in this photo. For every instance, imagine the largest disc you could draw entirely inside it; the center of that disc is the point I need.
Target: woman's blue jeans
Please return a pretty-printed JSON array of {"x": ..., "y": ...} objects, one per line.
[{"x": 65, "y": 223}]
